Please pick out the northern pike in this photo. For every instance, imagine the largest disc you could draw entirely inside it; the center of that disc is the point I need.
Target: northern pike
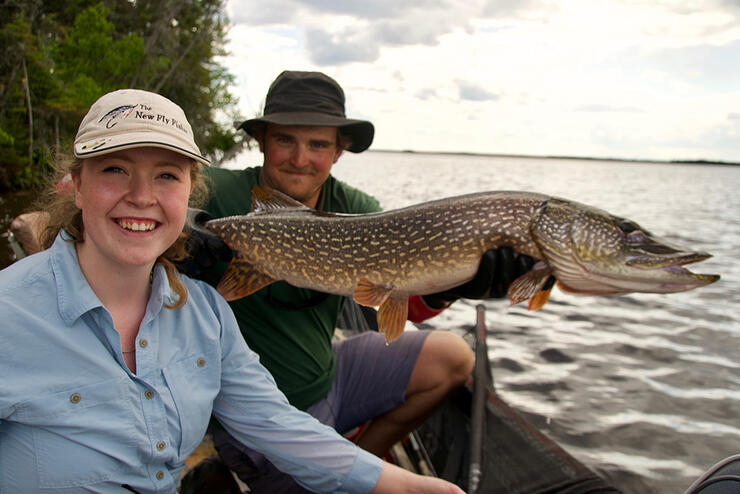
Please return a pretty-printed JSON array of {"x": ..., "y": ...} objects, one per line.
[{"x": 383, "y": 258}]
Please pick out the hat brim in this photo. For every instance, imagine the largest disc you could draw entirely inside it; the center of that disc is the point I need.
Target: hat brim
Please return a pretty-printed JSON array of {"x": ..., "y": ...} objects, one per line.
[
  {"x": 361, "y": 132},
  {"x": 90, "y": 149}
]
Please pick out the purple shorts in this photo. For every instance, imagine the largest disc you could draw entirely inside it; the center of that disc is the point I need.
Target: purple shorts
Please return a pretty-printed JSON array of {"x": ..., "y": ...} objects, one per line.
[{"x": 371, "y": 379}]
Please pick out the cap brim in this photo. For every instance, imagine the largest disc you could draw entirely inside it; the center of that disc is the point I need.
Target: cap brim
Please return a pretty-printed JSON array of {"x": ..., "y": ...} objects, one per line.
[
  {"x": 361, "y": 132},
  {"x": 132, "y": 140}
]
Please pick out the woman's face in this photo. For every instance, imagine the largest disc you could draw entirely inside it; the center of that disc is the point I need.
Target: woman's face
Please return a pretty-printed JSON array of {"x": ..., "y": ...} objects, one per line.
[{"x": 133, "y": 203}]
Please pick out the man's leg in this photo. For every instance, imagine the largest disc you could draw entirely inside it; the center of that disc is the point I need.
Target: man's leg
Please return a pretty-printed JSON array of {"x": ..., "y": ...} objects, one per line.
[{"x": 444, "y": 363}]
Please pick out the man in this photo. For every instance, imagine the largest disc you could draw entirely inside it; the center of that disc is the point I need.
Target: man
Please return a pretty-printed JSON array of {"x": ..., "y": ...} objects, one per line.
[{"x": 360, "y": 380}]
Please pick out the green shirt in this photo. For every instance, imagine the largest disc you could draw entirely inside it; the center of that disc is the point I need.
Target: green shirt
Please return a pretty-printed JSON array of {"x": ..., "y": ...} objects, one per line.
[{"x": 290, "y": 328}]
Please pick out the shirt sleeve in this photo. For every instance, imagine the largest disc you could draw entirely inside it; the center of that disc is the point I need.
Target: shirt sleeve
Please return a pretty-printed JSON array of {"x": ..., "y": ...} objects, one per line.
[
  {"x": 251, "y": 408},
  {"x": 419, "y": 311}
]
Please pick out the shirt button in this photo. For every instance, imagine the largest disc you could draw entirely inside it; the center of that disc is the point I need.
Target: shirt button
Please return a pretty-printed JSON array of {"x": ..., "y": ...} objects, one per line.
[
  {"x": 149, "y": 394},
  {"x": 160, "y": 475},
  {"x": 201, "y": 362},
  {"x": 75, "y": 398},
  {"x": 143, "y": 343},
  {"x": 160, "y": 445}
]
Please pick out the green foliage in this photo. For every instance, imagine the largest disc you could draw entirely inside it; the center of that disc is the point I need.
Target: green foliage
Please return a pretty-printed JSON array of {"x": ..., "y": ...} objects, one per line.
[
  {"x": 6, "y": 140},
  {"x": 60, "y": 56}
]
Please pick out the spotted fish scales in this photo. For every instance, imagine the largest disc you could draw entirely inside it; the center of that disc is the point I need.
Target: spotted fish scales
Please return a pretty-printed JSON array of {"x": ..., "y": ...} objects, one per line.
[{"x": 382, "y": 258}]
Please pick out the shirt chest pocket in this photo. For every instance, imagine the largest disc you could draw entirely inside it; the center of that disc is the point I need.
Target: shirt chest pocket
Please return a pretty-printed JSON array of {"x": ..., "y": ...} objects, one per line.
[
  {"x": 81, "y": 435},
  {"x": 194, "y": 383}
]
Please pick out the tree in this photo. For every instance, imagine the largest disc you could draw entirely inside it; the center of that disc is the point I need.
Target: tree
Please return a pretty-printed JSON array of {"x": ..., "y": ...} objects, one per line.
[{"x": 74, "y": 51}]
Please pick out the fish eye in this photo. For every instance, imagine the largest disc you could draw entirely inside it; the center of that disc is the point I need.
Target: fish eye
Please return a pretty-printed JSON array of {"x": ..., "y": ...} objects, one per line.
[{"x": 627, "y": 226}]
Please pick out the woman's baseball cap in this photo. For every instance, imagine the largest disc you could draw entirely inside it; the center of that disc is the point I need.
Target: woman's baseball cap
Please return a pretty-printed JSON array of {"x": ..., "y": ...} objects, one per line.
[
  {"x": 310, "y": 98},
  {"x": 131, "y": 118}
]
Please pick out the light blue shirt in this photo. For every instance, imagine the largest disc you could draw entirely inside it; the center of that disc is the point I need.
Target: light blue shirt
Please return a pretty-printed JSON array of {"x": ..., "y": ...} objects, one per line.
[{"x": 73, "y": 418}]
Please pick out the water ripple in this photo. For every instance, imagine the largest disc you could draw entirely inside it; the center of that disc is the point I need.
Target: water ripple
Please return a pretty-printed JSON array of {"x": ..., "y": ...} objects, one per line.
[
  {"x": 643, "y": 465},
  {"x": 678, "y": 423}
]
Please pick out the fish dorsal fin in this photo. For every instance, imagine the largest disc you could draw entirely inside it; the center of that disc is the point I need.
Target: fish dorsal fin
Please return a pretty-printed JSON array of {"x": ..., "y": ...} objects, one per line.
[
  {"x": 267, "y": 199},
  {"x": 529, "y": 285},
  {"x": 392, "y": 316},
  {"x": 371, "y": 294},
  {"x": 241, "y": 279}
]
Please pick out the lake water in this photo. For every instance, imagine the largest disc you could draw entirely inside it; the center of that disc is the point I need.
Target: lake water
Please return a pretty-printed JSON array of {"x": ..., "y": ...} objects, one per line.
[{"x": 644, "y": 389}]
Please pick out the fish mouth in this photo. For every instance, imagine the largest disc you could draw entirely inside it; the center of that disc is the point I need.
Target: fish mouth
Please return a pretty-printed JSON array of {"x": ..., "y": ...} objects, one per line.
[
  {"x": 692, "y": 280},
  {"x": 673, "y": 266},
  {"x": 640, "y": 273},
  {"x": 651, "y": 259}
]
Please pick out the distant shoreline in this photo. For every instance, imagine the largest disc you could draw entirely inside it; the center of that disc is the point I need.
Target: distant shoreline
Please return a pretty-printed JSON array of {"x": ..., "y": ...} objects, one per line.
[{"x": 584, "y": 158}]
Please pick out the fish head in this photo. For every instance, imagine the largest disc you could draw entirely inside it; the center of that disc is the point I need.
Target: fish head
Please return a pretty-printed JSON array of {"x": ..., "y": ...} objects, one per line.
[{"x": 593, "y": 252}]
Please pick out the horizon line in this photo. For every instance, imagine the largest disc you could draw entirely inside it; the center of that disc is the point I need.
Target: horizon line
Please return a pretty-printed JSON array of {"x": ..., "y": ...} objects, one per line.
[{"x": 585, "y": 158}]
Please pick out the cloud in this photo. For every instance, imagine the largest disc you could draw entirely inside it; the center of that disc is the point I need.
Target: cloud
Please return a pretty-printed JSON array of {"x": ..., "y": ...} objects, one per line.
[
  {"x": 691, "y": 8},
  {"x": 327, "y": 49},
  {"x": 473, "y": 92},
  {"x": 410, "y": 12},
  {"x": 706, "y": 65},
  {"x": 720, "y": 142},
  {"x": 376, "y": 9},
  {"x": 731, "y": 4},
  {"x": 426, "y": 94},
  {"x": 401, "y": 32},
  {"x": 518, "y": 8},
  {"x": 357, "y": 30},
  {"x": 363, "y": 45},
  {"x": 598, "y": 108},
  {"x": 252, "y": 13},
  {"x": 628, "y": 78}
]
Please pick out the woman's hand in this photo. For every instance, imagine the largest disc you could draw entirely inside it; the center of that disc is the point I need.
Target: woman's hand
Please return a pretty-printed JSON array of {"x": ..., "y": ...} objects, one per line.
[
  {"x": 27, "y": 229},
  {"x": 396, "y": 480}
]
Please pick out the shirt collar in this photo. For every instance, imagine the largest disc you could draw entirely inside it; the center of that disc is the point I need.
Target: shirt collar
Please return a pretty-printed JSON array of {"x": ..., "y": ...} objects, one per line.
[
  {"x": 74, "y": 295},
  {"x": 161, "y": 293}
]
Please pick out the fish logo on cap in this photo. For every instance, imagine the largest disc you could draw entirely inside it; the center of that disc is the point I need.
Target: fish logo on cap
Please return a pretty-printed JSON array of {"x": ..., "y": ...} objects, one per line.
[{"x": 114, "y": 113}]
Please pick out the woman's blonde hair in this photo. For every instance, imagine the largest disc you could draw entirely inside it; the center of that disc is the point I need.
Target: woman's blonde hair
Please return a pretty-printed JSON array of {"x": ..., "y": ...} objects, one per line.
[{"x": 63, "y": 214}]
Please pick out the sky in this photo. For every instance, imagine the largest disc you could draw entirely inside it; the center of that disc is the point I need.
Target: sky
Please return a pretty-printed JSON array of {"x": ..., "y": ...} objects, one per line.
[{"x": 630, "y": 79}]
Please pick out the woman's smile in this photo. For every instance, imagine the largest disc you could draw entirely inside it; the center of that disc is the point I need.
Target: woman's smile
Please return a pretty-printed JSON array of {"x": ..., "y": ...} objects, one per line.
[{"x": 137, "y": 225}]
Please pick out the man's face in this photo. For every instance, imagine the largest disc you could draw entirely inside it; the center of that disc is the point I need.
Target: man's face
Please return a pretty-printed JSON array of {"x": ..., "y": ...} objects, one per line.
[{"x": 298, "y": 159}]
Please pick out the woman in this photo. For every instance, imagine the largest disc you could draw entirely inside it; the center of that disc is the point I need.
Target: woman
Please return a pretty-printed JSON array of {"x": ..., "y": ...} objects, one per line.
[{"x": 112, "y": 363}]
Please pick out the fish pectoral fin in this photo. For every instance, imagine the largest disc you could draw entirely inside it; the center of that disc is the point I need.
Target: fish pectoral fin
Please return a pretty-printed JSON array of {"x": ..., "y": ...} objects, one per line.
[
  {"x": 241, "y": 279},
  {"x": 371, "y": 294},
  {"x": 392, "y": 316},
  {"x": 530, "y": 286},
  {"x": 539, "y": 299}
]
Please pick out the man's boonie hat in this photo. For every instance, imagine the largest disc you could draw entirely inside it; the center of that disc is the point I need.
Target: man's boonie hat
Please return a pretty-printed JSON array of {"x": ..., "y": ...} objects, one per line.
[
  {"x": 132, "y": 118},
  {"x": 310, "y": 98}
]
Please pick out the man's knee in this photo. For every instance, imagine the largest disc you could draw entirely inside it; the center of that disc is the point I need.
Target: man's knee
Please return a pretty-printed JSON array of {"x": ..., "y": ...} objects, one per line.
[
  {"x": 460, "y": 357},
  {"x": 445, "y": 358}
]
